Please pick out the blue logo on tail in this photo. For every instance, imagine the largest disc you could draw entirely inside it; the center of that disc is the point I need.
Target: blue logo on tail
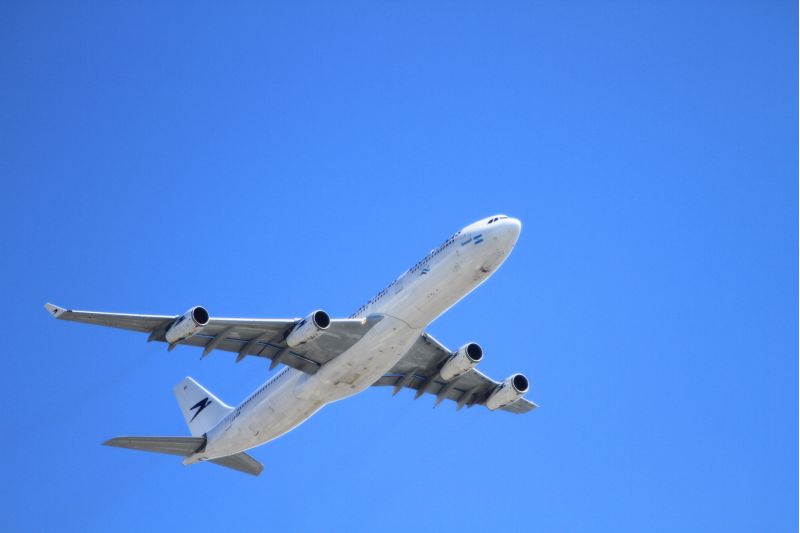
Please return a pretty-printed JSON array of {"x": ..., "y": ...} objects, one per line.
[{"x": 202, "y": 404}]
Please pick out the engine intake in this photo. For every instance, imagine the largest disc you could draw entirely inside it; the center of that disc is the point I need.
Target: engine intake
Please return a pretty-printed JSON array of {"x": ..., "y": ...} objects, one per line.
[
  {"x": 188, "y": 324},
  {"x": 509, "y": 391},
  {"x": 308, "y": 329},
  {"x": 464, "y": 359}
]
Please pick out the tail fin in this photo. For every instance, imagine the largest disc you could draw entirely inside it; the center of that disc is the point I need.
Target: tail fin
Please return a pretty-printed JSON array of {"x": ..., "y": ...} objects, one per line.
[{"x": 200, "y": 408}]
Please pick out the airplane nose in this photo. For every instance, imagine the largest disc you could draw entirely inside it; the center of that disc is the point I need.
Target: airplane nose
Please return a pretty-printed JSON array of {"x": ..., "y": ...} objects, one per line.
[
  {"x": 508, "y": 230},
  {"x": 515, "y": 226},
  {"x": 512, "y": 228}
]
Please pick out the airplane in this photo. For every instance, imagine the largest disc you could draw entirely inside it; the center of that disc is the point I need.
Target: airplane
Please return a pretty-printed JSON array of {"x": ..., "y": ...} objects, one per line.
[{"x": 383, "y": 343}]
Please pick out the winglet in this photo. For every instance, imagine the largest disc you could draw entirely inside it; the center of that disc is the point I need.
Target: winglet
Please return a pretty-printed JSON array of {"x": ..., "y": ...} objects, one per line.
[{"x": 55, "y": 310}]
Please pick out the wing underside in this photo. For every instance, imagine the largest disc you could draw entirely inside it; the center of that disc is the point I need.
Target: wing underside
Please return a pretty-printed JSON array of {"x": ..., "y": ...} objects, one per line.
[
  {"x": 419, "y": 370},
  {"x": 243, "y": 336}
]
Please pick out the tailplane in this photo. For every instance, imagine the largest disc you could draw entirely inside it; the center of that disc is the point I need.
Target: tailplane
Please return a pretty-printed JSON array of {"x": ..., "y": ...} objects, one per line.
[
  {"x": 186, "y": 446},
  {"x": 183, "y": 446},
  {"x": 201, "y": 409}
]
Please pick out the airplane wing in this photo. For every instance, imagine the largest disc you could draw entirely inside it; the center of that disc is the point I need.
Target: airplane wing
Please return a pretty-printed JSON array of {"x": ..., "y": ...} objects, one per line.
[
  {"x": 419, "y": 370},
  {"x": 261, "y": 337}
]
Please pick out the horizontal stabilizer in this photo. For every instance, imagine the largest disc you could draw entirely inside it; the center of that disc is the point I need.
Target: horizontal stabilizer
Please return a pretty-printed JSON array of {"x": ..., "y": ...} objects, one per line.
[
  {"x": 241, "y": 462},
  {"x": 183, "y": 446},
  {"x": 186, "y": 446}
]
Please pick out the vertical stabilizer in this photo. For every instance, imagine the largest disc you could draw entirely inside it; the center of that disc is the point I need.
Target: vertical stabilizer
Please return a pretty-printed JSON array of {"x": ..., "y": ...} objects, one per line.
[{"x": 201, "y": 409}]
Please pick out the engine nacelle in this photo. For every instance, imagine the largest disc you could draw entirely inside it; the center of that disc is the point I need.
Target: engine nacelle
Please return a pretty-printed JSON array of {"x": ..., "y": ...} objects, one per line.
[
  {"x": 308, "y": 329},
  {"x": 510, "y": 390},
  {"x": 186, "y": 325},
  {"x": 465, "y": 358}
]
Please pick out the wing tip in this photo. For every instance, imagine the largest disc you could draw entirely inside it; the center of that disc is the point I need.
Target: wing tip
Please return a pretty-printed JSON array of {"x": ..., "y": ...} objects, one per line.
[{"x": 54, "y": 310}]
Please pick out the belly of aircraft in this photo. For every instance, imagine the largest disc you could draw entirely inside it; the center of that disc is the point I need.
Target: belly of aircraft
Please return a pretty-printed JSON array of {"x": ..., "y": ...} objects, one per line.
[
  {"x": 298, "y": 398},
  {"x": 363, "y": 364}
]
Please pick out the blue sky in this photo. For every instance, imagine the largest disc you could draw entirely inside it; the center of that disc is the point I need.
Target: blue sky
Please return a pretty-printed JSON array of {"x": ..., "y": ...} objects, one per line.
[{"x": 267, "y": 160}]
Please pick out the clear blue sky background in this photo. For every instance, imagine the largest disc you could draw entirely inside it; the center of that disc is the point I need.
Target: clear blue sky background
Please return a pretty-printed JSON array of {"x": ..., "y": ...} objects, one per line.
[{"x": 267, "y": 160}]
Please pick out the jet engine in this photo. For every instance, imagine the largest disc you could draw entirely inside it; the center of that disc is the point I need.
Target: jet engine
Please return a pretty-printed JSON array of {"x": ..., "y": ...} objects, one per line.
[
  {"x": 510, "y": 390},
  {"x": 465, "y": 358},
  {"x": 308, "y": 329},
  {"x": 186, "y": 325}
]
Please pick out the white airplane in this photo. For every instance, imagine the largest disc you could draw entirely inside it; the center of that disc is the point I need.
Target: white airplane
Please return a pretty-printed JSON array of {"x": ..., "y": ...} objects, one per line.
[{"x": 383, "y": 343}]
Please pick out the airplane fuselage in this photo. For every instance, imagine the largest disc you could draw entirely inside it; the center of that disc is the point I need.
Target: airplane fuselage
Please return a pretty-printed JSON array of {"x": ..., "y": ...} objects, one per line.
[{"x": 405, "y": 308}]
